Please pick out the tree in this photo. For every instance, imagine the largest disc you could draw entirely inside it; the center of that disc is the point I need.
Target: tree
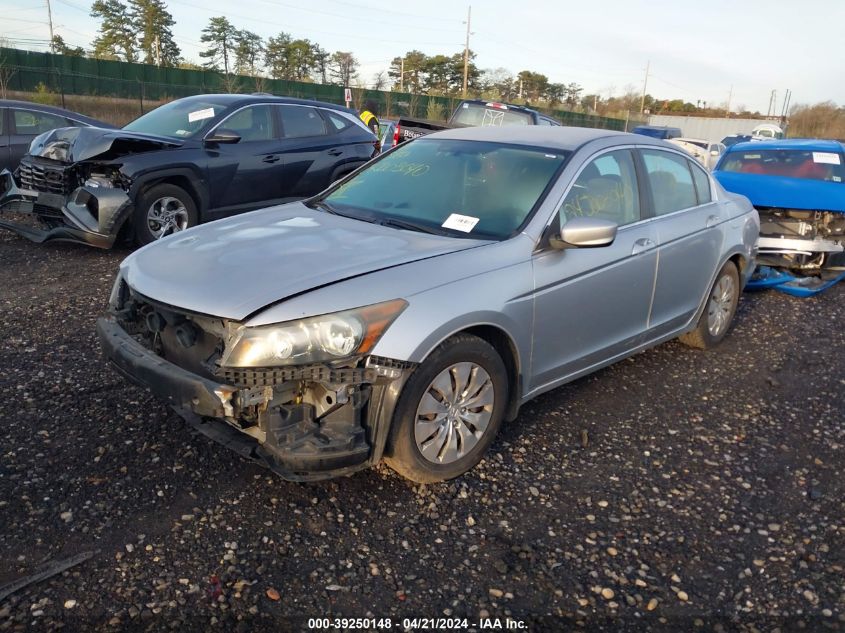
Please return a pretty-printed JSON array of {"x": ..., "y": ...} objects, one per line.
[
  {"x": 221, "y": 36},
  {"x": 301, "y": 61},
  {"x": 414, "y": 66},
  {"x": 499, "y": 84},
  {"x": 437, "y": 74},
  {"x": 456, "y": 74},
  {"x": 322, "y": 58},
  {"x": 249, "y": 47},
  {"x": 379, "y": 80},
  {"x": 153, "y": 23},
  {"x": 276, "y": 57},
  {"x": 534, "y": 85},
  {"x": 59, "y": 46},
  {"x": 555, "y": 93},
  {"x": 117, "y": 36},
  {"x": 572, "y": 94},
  {"x": 343, "y": 68}
]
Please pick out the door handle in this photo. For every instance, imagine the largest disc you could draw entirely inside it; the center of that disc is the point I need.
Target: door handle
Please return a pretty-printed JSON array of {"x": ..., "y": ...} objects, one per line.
[
  {"x": 641, "y": 245},
  {"x": 712, "y": 220},
  {"x": 335, "y": 152},
  {"x": 272, "y": 158}
]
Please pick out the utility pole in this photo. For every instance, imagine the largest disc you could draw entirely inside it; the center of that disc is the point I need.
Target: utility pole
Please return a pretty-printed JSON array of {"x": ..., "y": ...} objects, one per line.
[
  {"x": 50, "y": 22},
  {"x": 728, "y": 109},
  {"x": 645, "y": 85},
  {"x": 466, "y": 51},
  {"x": 402, "y": 75}
]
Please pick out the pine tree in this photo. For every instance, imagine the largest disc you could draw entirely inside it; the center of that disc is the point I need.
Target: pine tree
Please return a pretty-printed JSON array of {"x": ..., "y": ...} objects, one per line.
[
  {"x": 117, "y": 36},
  {"x": 153, "y": 23},
  {"x": 249, "y": 47},
  {"x": 221, "y": 36}
]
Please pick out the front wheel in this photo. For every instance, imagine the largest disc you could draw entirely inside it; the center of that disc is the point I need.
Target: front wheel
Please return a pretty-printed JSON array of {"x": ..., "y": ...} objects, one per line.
[
  {"x": 161, "y": 210},
  {"x": 714, "y": 322},
  {"x": 449, "y": 411}
]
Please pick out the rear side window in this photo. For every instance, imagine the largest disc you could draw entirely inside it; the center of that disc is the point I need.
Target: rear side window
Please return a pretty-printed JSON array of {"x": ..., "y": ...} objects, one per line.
[
  {"x": 2, "y": 120},
  {"x": 671, "y": 181},
  {"x": 702, "y": 184},
  {"x": 30, "y": 122},
  {"x": 336, "y": 121},
  {"x": 300, "y": 121}
]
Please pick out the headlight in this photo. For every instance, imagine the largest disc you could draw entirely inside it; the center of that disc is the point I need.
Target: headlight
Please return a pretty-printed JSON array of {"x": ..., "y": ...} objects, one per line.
[
  {"x": 98, "y": 180},
  {"x": 313, "y": 340}
]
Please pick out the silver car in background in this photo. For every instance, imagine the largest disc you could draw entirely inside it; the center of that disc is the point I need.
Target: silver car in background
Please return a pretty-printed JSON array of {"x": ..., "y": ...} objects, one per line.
[{"x": 408, "y": 310}]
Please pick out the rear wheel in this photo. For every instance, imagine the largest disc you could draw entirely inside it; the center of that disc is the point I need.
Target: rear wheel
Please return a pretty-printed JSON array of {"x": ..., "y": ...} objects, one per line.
[
  {"x": 449, "y": 412},
  {"x": 162, "y": 210},
  {"x": 715, "y": 321}
]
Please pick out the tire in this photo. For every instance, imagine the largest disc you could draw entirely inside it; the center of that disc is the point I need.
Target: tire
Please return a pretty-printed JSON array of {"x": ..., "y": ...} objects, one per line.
[
  {"x": 428, "y": 446},
  {"x": 169, "y": 202},
  {"x": 719, "y": 311}
]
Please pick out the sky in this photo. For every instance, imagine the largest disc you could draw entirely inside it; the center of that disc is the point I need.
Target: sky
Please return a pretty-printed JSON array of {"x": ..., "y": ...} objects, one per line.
[{"x": 696, "y": 51}]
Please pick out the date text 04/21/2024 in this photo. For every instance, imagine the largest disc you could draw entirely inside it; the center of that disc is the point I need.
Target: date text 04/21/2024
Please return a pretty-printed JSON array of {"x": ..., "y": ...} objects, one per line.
[{"x": 415, "y": 624}]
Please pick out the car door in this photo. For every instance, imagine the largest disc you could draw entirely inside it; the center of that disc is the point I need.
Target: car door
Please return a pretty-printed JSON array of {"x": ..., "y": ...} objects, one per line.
[
  {"x": 592, "y": 304},
  {"x": 246, "y": 174},
  {"x": 25, "y": 125},
  {"x": 688, "y": 233},
  {"x": 5, "y": 162},
  {"x": 315, "y": 144}
]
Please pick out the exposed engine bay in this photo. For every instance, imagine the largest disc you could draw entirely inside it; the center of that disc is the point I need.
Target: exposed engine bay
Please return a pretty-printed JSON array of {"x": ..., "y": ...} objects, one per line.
[
  {"x": 308, "y": 418},
  {"x": 808, "y": 242}
]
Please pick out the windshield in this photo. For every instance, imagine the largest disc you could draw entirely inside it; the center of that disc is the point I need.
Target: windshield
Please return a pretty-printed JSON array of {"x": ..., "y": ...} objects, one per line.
[
  {"x": 792, "y": 163},
  {"x": 733, "y": 140},
  {"x": 654, "y": 132},
  {"x": 480, "y": 115},
  {"x": 178, "y": 119},
  {"x": 701, "y": 144},
  {"x": 460, "y": 188}
]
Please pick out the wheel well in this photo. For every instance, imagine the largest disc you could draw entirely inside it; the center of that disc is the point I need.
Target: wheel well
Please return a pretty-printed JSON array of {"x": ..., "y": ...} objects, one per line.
[
  {"x": 740, "y": 262},
  {"x": 183, "y": 182},
  {"x": 505, "y": 347}
]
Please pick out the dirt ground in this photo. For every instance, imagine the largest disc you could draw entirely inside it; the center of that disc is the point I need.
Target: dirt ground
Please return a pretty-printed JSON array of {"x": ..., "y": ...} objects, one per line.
[{"x": 676, "y": 490}]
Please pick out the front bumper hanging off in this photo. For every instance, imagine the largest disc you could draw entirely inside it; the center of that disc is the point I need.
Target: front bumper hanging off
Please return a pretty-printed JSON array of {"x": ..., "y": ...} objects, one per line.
[
  {"x": 90, "y": 215},
  {"x": 289, "y": 440}
]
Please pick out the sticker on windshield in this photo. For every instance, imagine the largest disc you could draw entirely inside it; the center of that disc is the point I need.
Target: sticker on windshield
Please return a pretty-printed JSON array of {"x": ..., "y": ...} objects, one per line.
[
  {"x": 828, "y": 158},
  {"x": 182, "y": 133},
  {"x": 458, "y": 222},
  {"x": 199, "y": 115}
]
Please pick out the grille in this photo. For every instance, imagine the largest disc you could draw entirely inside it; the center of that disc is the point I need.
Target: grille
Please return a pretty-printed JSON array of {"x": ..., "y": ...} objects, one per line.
[{"x": 46, "y": 178}]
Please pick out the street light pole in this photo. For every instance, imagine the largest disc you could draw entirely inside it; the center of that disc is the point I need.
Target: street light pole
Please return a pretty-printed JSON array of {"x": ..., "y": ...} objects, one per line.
[
  {"x": 466, "y": 51},
  {"x": 645, "y": 85}
]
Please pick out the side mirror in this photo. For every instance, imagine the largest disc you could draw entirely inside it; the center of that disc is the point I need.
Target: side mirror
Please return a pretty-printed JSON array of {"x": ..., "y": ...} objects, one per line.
[
  {"x": 222, "y": 135},
  {"x": 585, "y": 233}
]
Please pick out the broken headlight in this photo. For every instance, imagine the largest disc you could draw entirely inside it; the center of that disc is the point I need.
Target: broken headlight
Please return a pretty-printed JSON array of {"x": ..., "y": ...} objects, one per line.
[
  {"x": 313, "y": 340},
  {"x": 100, "y": 180}
]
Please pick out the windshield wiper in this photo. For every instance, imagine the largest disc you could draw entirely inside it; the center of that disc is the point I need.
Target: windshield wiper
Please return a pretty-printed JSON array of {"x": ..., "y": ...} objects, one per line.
[
  {"x": 325, "y": 206},
  {"x": 411, "y": 226}
]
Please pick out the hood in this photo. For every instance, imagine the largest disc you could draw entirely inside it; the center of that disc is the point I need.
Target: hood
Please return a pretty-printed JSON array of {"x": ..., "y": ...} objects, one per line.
[
  {"x": 75, "y": 144},
  {"x": 235, "y": 267},
  {"x": 785, "y": 192}
]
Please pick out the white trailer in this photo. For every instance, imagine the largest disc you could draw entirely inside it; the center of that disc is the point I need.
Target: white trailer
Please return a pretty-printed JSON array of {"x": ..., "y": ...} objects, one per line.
[{"x": 708, "y": 128}]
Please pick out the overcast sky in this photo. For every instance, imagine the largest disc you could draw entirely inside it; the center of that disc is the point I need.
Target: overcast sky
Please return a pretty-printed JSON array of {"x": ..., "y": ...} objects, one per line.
[{"x": 697, "y": 50}]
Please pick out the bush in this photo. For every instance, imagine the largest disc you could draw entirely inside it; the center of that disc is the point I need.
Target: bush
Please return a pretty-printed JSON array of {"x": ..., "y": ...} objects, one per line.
[
  {"x": 434, "y": 110},
  {"x": 45, "y": 96}
]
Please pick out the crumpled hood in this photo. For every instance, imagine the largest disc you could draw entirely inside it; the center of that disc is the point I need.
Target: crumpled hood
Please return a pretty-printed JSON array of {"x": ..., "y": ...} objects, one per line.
[
  {"x": 74, "y": 144},
  {"x": 233, "y": 268},
  {"x": 785, "y": 192}
]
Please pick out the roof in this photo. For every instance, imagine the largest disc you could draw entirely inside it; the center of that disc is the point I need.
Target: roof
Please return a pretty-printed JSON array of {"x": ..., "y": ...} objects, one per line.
[
  {"x": 561, "y": 138},
  {"x": 39, "y": 107},
  {"x": 245, "y": 99},
  {"x": 805, "y": 144}
]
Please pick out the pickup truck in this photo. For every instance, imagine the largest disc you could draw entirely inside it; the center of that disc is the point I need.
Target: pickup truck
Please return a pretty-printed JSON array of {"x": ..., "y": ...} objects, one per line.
[{"x": 472, "y": 113}]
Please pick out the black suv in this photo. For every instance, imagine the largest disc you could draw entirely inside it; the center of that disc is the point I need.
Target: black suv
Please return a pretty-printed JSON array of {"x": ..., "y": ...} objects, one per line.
[{"x": 190, "y": 161}]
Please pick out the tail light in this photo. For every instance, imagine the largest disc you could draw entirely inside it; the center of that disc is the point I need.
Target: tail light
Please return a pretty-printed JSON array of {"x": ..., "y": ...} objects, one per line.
[{"x": 396, "y": 136}]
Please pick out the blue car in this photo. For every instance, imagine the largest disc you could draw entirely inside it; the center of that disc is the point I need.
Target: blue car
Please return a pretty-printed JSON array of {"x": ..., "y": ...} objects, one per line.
[{"x": 798, "y": 188}]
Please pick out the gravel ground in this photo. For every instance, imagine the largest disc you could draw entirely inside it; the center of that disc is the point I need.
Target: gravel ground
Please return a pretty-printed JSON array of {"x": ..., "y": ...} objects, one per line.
[{"x": 672, "y": 491}]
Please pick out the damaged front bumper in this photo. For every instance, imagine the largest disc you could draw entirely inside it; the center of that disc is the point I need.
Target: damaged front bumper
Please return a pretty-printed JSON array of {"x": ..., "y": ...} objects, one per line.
[
  {"x": 90, "y": 215},
  {"x": 294, "y": 440}
]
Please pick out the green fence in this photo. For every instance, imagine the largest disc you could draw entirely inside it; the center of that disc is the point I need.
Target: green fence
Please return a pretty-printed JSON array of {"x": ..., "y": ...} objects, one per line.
[{"x": 68, "y": 75}]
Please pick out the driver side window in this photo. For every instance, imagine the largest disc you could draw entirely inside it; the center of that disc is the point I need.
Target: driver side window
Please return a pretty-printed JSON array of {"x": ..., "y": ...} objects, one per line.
[
  {"x": 253, "y": 123},
  {"x": 606, "y": 188}
]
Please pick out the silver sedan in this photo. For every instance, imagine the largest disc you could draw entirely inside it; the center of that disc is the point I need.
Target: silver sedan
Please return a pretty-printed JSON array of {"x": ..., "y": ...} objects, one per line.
[{"x": 412, "y": 308}]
